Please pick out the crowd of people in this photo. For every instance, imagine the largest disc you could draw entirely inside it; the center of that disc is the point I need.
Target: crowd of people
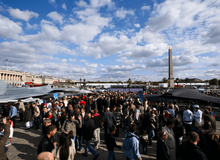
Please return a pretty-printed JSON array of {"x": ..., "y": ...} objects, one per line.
[{"x": 180, "y": 134}]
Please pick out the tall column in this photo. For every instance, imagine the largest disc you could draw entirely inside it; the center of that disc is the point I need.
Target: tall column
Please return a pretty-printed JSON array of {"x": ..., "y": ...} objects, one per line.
[{"x": 171, "y": 78}]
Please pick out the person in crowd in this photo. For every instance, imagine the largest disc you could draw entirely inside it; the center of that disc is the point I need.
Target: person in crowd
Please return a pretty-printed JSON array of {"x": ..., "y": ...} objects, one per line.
[
  {"x": 108, "y": 119},
  {"x": 46, "y": 122},
  {"x": 192, "y": 106},
  {"x": 130, "y": 119},
  {"x": 155, "y": 118},
  {"x": 88, "y": 131},
  {"x": 125, "y": 115},
  {"x": 118, "y": 120},
  {"x": 162, "y": 149},
  {"x": 190, "y": 150},
  {"x": 149, "y": 121},
  {"x": 71, "y": 125},
  {"x": 171, "y": 110},
  {"x": 9, "y": 121},
  {"x": 210, "y": 111},
  {"x": 197, "y": 114},
  {"x": 178, "y": 131},
  {"x": 28, "y": 117},
  {"x": 202, "y": 140},
  {"x": 213, "y": 146},
  {"x": 137, "y": 115},
  {"x": 209, "y": 120},
  {"x": 13, "y": 113},
  {"x": 3, "y": 139},
  {"x": 144, "y": 141},
  {"x": 98, "y": 122},
  {"x": 65, "y": 149},
  {"x": 132, "y": 142},
  {"x": 62, "y": 116},
  {"x": 46, "y": 144},
  {"x": 170, "y": 141},
  {"x": 36, "y": 115},
  {"x": 5, "y": 109},
  {"x": 21, "y": 109},
  {"x": 45, "y": 156},
  {"x": 187, "y": 120},
  {"x": 110, "y": 143}
]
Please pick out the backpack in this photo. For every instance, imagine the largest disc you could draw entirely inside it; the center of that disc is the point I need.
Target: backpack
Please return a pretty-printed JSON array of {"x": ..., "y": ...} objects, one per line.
[{"x": 126, "y": 143}]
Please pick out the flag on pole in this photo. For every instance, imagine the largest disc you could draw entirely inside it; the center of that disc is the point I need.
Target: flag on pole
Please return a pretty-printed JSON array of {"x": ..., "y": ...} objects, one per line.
[{"x": 6, "y": 59}]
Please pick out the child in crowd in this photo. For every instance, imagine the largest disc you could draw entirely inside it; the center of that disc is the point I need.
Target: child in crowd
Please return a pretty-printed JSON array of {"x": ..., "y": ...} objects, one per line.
[
  {"x": 110, "y": 143},
  {"x": 130, "y": 119},
  {"x": 144, "y": 140},
  {"x": 9, "y": 121}
]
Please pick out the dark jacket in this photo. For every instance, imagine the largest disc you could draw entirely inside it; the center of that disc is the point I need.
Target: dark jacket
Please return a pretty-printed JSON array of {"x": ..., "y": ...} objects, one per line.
[
  {"x": 109, "y": 118},
  {"x": 45, "y": 144},
  {"x": 88, "y": 129},
  {"x": 118, "y": 117},
  {"x": 28, "y": 115},
  {"x": 202, "y": 143},
  {"x": 98, "y": 120},
  {"x": 148, "y": 120},
  {"x": 213, "y": 149},
  {"x": 3, "y": 140},
  {"x": 178, "y": 132},
  {"x": 162, "y": 152},
  {"x": 110, "y": 142},
  {"x": 190, "y": 151}
]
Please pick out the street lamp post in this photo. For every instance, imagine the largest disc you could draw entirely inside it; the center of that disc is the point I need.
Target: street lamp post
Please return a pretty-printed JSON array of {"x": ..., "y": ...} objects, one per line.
[
  {"x": 84, "y": 83},
  {"x": 129, "y": 83},
  {"x": 177, "y": 81},
  {"x": 80, "y": 83}
]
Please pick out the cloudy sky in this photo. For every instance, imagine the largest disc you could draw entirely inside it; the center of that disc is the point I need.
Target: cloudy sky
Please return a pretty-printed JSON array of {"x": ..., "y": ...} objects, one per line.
[{"x": 111, "y": 40}]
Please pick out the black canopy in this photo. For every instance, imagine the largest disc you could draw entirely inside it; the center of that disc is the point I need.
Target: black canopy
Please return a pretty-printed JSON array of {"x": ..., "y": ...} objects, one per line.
[{"x": 190, "y": 94}]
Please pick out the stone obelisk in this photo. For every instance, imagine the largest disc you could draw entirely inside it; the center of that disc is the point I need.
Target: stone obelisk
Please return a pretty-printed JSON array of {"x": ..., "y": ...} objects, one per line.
[{"x": 171, "y": 78}]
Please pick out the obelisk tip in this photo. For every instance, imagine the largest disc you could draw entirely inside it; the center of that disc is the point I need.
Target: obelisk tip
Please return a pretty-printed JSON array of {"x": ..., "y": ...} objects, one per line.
[{"x": 170, "y": 47}]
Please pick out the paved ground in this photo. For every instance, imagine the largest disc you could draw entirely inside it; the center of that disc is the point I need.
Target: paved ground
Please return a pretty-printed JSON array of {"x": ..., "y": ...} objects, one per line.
[{"x": 24, "y": 145}]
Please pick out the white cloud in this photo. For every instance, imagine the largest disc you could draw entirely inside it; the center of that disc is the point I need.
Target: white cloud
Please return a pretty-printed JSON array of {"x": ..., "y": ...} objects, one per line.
[
  {"x": 72, "y": 60},
  {"x": 23, "y": 15},
  {"x": 8, "y": 28},
  {"x": 122, "y": 13},
  {"x": 145, "y": 8},
  {"x": 147, "y": 51},
  {"x": 63, "y": 60},
  {"x": 31, "y": 26},
  {"x": 64, "y": 6},
  {"x": 56, "y": 17},
  {"x": 177, "y": 61},
  {"x": 137, "y": 25},
  {"x": 125, "y": 60},
  {"x": 52, "y": 1},
  {"x": 82, "y": 60},
  {"x": 108, "y": 45}
]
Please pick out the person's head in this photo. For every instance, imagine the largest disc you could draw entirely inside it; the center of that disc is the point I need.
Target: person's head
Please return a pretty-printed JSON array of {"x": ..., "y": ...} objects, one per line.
[
  {"x": 71, "y": 117},
  {"x": 107, "y": 108},
  {"x": 50, "y": 112},
  {"x": 45, "y": 109},
  {"x": 139, "y": 107},
  {"x": 209, "y": 108},
  {"x": 163, "y": 135},
  {"x": 196, "y": 107},
  {"x": 192, "y": 103},
  {"x": 33, "y": 105},
  {"x": 51, "y": 130},
  {"x": 64, "y": 144},
  {"x": 187, "y": 107},
  {"x": 47, "y": 122},
  {"x": 45, "y": 156},
  {"x": 171, "y": 106},
  {"x": 206, "y": 111},
  {"x": 132, "y": 128},
  {"x": 89, "y": 115},
  {"x": 19, "y": 101},
  {"x": 193, "y": 137},
  {"x": 96, "y": 111},
  {"x": 112, "y": 130},
  {"x": 176, "y": 121},
  {"x": 63, "y": 110},
  {"x": 198, "y": 125},
  {"x": 170, "y": 123},
  {"x": 82, "y": 110}
]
